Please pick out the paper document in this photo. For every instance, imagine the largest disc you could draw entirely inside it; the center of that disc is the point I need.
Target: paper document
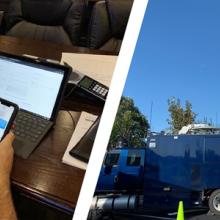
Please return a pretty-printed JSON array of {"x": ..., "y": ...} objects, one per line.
[
  {"x": 98, "y": 67},
  {"x": 84, "y": 123}
]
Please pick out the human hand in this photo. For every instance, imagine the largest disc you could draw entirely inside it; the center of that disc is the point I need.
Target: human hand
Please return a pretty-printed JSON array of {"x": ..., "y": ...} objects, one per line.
[{"x": 6, "y": 159}]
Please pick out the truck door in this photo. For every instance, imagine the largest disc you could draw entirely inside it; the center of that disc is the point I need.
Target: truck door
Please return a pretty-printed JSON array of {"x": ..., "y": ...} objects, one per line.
[
  {"x": 109, "y": 171},
  {"x": 131, "y": 171}
]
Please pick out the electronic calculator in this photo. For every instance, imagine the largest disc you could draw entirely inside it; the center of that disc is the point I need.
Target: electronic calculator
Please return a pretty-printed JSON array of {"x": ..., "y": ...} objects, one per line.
[{"x": 93, "y": 87}]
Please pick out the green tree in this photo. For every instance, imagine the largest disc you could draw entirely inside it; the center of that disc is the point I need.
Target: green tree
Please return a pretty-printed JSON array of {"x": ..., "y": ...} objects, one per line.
[
  {"x": 130, "y": 125},
  {"x": 179, "y": 116}
]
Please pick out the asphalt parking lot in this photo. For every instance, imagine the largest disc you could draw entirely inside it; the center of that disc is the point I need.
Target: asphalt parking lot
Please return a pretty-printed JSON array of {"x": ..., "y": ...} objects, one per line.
[
  {"x": 200, "y": 215},
  {"x": 205, "y": 217}
]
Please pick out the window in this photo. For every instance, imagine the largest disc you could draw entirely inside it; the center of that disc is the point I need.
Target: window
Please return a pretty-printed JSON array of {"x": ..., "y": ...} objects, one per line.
[
  {"x": 134, "y": 158},
  {"x": 112, "y": 159}
]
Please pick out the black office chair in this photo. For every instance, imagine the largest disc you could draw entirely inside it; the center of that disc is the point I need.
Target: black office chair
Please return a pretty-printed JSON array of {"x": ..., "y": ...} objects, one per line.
[
  {"x": 58, "y": 21},
  {"x": 108, "y": 23}
]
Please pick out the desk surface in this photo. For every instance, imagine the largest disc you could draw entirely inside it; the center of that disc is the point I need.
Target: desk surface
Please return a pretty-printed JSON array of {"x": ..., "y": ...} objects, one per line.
[
  {"x": 43, "y": 49},
  {"x": 42, "y": 176}
]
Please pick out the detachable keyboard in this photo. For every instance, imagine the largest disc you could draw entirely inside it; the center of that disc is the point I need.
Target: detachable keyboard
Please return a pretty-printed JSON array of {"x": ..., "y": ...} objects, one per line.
[{"x": 29, "y": 130}]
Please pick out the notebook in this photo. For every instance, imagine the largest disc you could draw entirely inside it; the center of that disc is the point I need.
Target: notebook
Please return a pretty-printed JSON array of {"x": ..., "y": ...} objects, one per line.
[{"x": 36, "y": 87}]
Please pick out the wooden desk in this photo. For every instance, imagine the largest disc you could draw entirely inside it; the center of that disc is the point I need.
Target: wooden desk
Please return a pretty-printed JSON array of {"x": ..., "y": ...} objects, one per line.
[
  {"x": 42, "y": 176},
  {"x": 43, "y": 49}
]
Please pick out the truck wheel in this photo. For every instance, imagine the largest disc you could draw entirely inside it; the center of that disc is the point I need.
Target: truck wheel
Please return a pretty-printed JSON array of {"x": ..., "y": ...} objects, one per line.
[{"x": 214, "y": 202}]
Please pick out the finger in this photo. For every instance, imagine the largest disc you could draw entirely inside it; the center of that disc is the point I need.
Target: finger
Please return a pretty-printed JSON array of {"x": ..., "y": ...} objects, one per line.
[
  {"x": 9, "y": 138},
  {"x": 13, "y": 127}
]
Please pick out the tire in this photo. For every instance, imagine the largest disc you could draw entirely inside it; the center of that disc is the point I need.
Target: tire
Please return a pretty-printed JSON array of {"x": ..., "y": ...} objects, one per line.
[{"x": 214, "y": 202}]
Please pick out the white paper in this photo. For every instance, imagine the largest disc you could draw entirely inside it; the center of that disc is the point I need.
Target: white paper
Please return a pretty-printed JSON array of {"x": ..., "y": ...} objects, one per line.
[
  {"x": 84, "y": 123},
  {"x": 98, "y": 67}
]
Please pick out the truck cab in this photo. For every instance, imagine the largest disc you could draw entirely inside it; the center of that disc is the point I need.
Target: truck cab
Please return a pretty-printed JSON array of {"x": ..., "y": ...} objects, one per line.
[{"x": 122, "y": 171}]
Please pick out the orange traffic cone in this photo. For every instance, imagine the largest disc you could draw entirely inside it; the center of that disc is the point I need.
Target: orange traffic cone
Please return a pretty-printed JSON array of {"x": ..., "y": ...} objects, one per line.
[{"x": 180, "y": 214}]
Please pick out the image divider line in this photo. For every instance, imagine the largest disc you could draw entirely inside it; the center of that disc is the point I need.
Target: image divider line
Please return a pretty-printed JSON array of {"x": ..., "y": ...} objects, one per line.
[{"x": 110, "y": 109}]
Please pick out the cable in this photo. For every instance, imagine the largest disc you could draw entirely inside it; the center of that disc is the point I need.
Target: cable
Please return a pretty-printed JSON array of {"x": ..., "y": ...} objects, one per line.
[
  {"x": 70, "y": 92},
  {"x": 74, "y": 123}
]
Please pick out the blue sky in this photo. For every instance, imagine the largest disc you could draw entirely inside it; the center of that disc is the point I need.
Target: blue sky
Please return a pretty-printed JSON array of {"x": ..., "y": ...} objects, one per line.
[{"x": 177, "y": 54}]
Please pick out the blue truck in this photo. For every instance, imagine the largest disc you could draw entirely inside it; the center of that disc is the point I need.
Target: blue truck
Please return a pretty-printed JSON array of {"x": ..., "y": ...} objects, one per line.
[{"x": 156, "y": 177}]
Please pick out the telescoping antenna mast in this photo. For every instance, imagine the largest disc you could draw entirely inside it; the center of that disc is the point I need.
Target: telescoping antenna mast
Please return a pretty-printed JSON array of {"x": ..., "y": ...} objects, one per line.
[{"x": 151, "y": 112}]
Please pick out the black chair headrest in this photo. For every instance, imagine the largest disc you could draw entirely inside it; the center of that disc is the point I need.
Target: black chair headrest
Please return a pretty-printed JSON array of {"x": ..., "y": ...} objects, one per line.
[
  {"x": 45, "y": 12},
  {"x": 119, "y": 11}
]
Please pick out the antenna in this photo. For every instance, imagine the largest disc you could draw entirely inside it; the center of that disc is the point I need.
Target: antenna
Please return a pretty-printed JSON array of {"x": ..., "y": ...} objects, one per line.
[{"x": 151, "y": 108}]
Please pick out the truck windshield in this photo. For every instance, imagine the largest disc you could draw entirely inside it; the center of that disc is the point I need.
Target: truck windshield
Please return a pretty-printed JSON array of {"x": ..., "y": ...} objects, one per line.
[{"x": 111, "y": 159}]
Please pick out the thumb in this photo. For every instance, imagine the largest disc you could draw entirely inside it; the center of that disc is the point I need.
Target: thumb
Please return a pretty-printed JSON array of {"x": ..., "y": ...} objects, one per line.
[{"x": 9, "y": 138}]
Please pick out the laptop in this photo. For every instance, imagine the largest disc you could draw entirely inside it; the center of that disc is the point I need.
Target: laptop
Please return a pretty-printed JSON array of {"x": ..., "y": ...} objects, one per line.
[{"x": 37, "y": 88}]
